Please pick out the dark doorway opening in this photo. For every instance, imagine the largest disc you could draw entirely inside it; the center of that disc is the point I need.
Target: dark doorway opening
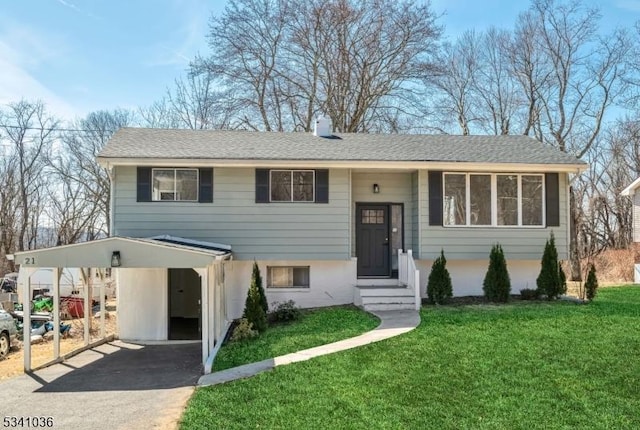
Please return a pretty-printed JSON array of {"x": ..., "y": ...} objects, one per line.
[{"x": 184, "y": 304}]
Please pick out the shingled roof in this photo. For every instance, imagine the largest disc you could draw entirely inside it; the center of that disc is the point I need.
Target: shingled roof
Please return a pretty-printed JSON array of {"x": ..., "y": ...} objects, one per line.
[{"x": 145, "y": 143}]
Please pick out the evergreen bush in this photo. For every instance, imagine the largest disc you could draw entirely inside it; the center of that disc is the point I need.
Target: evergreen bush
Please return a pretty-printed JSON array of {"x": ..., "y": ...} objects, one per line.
[
  {"x": 591, "y": 286},
  {"x": 529, "y": 294},
  {"x": 253, "y": 307},
  {"x": 256, "y": 279},
  {"x": 285, "y": 312},
  {"x": 497, "y": 285},
  {"x": 551, "y": 281},
  {"x": 439, "y": 288}
]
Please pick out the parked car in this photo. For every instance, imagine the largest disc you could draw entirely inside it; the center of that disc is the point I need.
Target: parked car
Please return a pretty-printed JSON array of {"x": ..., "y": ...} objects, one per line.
[
  {"x": 8, "y": 332},
  {"x": 7, "y": 285}
]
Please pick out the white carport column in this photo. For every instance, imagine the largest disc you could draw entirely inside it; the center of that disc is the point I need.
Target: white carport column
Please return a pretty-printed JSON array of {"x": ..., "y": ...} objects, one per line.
[
  {"x": 56, "y": 313},
  {"x": 87, "y": 307},
  {"x": 103, "y": 290},
  {"x": 26, "y": 319},
  {"x": 204, "y": 309}
]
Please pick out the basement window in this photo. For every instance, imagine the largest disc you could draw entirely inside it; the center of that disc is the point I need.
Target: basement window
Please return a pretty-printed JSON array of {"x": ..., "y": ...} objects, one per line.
[{"x": 288, "y": 276}]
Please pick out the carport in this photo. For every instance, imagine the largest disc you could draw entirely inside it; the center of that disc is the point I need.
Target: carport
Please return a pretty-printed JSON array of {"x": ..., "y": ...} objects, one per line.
[{"x": 144, "y": 270}]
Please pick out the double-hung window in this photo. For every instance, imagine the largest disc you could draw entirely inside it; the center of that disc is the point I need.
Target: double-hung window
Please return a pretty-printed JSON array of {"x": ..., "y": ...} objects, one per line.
[
  {"x": 174, "y": 184},
  {"x": 482, "y": 199}
]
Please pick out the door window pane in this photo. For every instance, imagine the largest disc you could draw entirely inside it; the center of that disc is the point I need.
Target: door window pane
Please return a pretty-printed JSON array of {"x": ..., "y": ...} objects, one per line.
[
  {"x": 455, "y": 199},
  {"x": 507, "y": 199},
  {"x": 480, "y": 199},
  {"x": 531, "y": 200}
]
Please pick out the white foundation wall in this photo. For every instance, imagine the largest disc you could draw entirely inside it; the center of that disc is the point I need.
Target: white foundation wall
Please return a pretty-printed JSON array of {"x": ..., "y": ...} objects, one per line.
[
  {"x": 331, "y": 283},
  {"x": 142, "y": 304},
  {"x": 467, "y": 276}
]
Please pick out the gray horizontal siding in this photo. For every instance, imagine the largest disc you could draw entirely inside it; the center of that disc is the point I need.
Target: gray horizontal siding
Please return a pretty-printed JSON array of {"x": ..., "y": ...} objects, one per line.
[
  {"x": 394, "y": 188},
  {"x": 471, "y": 243},
  {"x": 636, "y": 217},
  {"x": 265, "y": 231}
]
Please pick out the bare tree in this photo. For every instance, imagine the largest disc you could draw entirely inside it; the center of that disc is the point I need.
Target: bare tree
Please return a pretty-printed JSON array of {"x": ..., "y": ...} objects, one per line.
[
  {"x": 29, "y": 132},
  {"x": 288, "y": 61},
  {"x": 579, "y": 80},
  {"x": 83, "y": 182},
  {"x": 456, "y": 77}
]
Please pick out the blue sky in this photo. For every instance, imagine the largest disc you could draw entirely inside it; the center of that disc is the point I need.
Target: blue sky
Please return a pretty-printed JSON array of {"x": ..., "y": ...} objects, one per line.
[{"x": 84, "y": 55}]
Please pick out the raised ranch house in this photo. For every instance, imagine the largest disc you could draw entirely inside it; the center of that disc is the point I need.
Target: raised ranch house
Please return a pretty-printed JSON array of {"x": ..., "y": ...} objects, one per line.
[
  {"x": 330, "y": 219},
  {"x": 632, "y": 192}
]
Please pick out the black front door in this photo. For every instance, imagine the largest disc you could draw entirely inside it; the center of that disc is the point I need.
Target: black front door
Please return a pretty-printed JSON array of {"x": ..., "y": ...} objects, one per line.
[{"x": 372, "y": 240}]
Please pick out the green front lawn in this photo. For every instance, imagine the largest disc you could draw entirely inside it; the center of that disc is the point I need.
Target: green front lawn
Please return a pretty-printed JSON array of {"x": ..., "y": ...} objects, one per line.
[
  {"x": 316, "y": 327},
  {"x": 524, "y": 365}
]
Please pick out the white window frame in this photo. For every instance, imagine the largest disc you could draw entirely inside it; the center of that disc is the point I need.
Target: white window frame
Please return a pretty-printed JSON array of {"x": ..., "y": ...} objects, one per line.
[
  {"x": 289, "y": 287},
  {"x": 175, "y": 170},
  {"x": 494, "y": 200},
  {"x": 313, "y": 187}
]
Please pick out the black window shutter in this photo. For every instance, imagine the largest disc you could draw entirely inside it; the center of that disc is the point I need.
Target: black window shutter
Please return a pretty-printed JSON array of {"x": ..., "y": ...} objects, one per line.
[
  {"x": 435, "y": 197},
  {"x": 322, "y": 186},
  {"x": 143, "y": 193},
  {"x": 262, "y": 185},
  {"x": 205, "y": 194},
  {"x": 552, "y": 187}
]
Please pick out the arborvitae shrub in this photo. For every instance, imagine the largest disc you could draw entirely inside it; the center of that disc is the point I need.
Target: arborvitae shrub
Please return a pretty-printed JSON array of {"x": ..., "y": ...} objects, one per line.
[
  {"x": 563, "y": 280},
  {"x": 551, "y": 278},
  {"x": 256, "y": 280},
  {"x": 497, "y": 285},
  {"x": 253, "y": 308},
  {"x": 439, "y": 288},
  {"x": 591, "y": 286}
]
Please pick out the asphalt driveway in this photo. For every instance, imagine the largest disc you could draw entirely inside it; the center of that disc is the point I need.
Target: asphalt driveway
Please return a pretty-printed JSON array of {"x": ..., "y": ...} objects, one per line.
[{"x": 116, "y": 385}]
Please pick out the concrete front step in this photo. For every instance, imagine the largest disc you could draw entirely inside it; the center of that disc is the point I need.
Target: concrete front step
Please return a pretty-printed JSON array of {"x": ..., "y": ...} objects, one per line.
[
  {"x": 388, "y": 307},
  {"x": 385, "y": 291},
  {"x": 371, "y": 300}
]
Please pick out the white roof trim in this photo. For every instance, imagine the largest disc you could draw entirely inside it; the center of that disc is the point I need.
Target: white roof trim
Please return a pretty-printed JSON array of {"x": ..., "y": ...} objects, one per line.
[
  {"x": 631, "y": 189},
  {"x": 97, "y": 253},
  {"x": 109, "y": 162}
]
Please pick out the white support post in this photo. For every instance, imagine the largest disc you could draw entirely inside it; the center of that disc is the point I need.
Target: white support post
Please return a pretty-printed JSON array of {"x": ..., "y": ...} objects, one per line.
[
  {"x": 204, "y": 309},
  {"x": 102, "y": 309},
  {"x": 56, "y": 313},
  {"x": 417, "y": 290},
  {"x": 87, "y": 309},
  {"x": 26, "y": 322}
]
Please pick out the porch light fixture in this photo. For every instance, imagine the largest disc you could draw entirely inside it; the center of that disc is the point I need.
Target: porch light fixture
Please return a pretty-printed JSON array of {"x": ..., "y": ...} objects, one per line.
[
  {"x": 376, "y": 188},
  {"x": 115, "y": 259}
]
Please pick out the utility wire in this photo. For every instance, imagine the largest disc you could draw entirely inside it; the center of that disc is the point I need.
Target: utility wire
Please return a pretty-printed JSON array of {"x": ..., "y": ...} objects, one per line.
[{"x": 51, "y": 128}]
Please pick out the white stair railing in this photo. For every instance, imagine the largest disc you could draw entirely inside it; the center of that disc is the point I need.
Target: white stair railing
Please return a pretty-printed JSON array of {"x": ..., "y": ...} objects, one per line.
[{"x": 409, "y": 275}]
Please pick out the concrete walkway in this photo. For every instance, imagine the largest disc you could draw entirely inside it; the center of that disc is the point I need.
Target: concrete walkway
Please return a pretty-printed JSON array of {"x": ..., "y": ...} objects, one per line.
[{"x": 392, "y": 323}]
